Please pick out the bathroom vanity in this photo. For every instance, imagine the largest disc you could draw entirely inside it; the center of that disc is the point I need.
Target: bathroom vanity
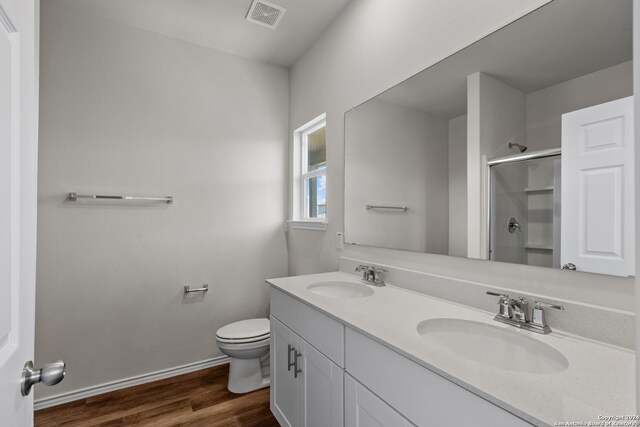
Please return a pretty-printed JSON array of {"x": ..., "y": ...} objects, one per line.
[{"x": 346, "y": 353}]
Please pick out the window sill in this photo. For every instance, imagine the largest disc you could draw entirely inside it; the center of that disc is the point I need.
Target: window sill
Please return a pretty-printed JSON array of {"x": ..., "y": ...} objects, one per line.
[{"x": 308, "y": 224}]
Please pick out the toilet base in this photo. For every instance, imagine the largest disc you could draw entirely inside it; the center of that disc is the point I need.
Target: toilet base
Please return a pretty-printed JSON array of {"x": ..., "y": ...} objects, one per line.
[{"x": 245, "y": 375}]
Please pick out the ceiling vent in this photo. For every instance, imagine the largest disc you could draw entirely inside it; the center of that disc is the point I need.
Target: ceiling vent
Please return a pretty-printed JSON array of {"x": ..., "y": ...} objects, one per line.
[{"x": 265, "y": 13}]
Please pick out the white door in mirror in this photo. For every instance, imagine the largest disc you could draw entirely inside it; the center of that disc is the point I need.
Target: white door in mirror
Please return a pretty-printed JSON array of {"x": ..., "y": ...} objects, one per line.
[{"x": 598, "y": 225}]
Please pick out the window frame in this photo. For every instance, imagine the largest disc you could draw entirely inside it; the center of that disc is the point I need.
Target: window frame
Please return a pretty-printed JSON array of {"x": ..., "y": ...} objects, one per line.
[{"x": 299, "y": 212}]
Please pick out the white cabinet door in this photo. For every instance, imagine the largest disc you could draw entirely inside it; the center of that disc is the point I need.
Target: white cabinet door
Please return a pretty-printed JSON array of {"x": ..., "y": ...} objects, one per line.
[
  {"x": 320, "y": 389},
  {"x": 365, "y": 409},
  {"x": 598, "y": 230},
  {"x": 284, "y": 387},
  {"x": 306, "y": 386}
]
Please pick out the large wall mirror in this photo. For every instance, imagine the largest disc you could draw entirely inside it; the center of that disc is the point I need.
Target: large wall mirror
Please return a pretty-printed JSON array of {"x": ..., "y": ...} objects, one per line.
[{"x": 518, "y": 148}]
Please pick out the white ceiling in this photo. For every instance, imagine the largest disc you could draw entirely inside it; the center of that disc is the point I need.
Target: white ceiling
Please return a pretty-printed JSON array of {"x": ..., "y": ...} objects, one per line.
[
  {"x": 562, "y": 40},
  {"x": 220, "y": 24}
]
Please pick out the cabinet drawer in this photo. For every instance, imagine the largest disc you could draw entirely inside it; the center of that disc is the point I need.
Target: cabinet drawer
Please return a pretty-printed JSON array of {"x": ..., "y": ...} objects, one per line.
[
  {"x": 318, "y": 329},
  {"x": 420, "y": 395}
]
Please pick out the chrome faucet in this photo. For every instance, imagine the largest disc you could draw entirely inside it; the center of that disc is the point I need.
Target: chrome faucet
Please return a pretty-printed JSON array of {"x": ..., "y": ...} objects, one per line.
[
  {"x": 520, "y": 309},
  {"x": 372, "y": 275},
  {"x": 516, "y": 312}
]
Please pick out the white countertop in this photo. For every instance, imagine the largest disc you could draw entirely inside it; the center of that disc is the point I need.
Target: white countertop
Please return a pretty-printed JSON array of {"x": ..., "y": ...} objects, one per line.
[{"x": 600, "y": 379}]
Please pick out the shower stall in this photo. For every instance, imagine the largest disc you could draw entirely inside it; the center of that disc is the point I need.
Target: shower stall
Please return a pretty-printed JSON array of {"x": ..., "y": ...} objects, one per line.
[{"x": 524, "y": 208}]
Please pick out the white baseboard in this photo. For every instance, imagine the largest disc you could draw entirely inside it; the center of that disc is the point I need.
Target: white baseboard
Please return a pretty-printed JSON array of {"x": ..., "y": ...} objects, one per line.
[{"x": 126, "y": 382}]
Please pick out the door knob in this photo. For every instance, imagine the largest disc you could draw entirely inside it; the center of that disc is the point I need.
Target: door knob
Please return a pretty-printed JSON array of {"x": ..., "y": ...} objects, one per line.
[
  {"x": 569, "y": 266},
  {"x": 51, "y": 374}
]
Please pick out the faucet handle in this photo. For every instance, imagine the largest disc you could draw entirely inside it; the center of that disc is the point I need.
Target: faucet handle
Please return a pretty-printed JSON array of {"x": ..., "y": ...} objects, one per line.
[
  {"x": 540, "y": 304},
  {"x": 362, "y": 267},
  {"x": 496, "y": 294},
  {"x": 538, "y": 316},
  {"x": 506, "y": 311}
]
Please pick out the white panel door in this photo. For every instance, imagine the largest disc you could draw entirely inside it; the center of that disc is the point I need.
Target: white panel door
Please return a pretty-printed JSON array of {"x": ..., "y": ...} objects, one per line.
[
  {"x": 365, "y": 409},
  {"x": 18, "y": 156},
  {"x": 284, "y": 387},
  {"x": 320, "y": 386},
  {"x": 598, "y": 229}
]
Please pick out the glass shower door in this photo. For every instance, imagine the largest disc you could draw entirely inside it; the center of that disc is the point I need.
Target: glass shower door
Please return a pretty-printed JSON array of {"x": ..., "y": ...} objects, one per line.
[{"x": 524, "y": 212}]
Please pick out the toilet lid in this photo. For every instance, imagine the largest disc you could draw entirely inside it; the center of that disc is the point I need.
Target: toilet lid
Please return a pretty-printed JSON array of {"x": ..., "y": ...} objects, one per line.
[{"x": 250, "y": 328}]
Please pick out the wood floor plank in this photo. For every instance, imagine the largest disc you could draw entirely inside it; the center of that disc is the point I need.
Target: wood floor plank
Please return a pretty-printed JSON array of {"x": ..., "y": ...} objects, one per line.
[
  {"x": 221, "y": 412},
  {"x": 213, "y": 397},
  {"x": 59, "y": 413},
  {"x": 254, "y": 418},
  {"x": 152, "y": 416},
  {"x": 134, "y": 416},
  {"x": 195, "y": 399}
]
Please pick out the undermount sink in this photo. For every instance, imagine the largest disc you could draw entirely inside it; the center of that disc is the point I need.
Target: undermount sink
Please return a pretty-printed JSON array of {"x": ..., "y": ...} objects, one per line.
[
  {"x": 493, "y": 346},
  {"x": 340, "y": 289}
]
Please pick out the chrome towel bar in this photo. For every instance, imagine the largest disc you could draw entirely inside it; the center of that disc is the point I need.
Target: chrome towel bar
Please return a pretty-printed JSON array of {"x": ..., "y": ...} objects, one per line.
[
  {"x": 402, "y": 208},
  {"x": 188, "y": 290},
  {"x": 74, "y": 197}
]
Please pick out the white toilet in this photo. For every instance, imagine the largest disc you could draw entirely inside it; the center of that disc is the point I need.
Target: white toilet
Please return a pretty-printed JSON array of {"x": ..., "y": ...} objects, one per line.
[{"x": 247, "y": 344}]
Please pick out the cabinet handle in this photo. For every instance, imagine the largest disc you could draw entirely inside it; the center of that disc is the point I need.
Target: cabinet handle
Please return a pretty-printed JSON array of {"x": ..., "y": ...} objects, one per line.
[
  {"x": 290, "y": 348},
  {"x": 295, "y": 363}
]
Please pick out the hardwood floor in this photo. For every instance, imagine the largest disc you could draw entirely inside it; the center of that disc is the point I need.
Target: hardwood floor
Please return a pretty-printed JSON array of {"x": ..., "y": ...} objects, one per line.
[{"x": 195, "y": 399}]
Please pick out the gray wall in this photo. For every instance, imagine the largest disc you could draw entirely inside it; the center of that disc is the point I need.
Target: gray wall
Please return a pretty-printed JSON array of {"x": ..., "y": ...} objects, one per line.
[
  {"x": 458, "y": 186},
  {"x": 129, "y": 111},
  {"x": 546, "y": 106},
  {"x": 399, "y": 158},
  {"x": 372, "y": 46}
]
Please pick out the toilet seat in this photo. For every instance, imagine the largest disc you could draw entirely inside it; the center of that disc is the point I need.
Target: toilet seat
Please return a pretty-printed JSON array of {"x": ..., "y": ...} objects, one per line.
[
  {"x": 242, "y": 341},
  {"x": 239, "y": 346},
  {"x": 244, "y": 331}
]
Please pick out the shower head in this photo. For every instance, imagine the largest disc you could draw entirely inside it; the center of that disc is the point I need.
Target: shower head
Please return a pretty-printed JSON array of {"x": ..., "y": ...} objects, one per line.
[{"x": 522, "y": 148}]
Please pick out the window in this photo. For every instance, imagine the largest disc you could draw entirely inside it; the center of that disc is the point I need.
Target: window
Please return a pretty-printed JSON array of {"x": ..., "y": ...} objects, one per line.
[
  {"x": 310, "y": 172},
  {"x": 314, "y": 172}
]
